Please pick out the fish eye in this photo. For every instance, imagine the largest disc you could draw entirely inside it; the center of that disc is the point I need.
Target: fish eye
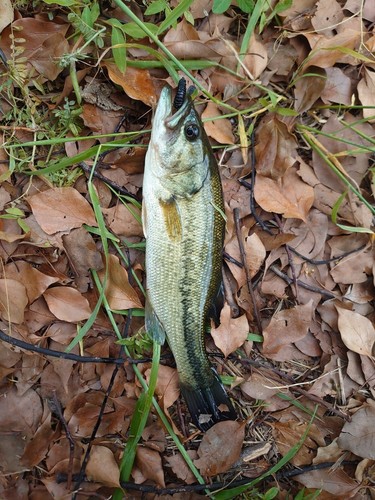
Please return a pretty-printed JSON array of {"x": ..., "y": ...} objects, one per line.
[{"x": 191, "y": 131}]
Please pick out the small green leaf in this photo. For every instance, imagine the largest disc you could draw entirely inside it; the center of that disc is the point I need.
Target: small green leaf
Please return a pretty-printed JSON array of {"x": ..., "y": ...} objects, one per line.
[
  {"x": 220, "y": 6},
  {"x": 86, "y": 16},
  {"x": 16, "y": 212},
  {"x": 246, "y": 6},
  {"x": 156, "y": 7},
  {"x": 255, "y": 337},
  {"x": 119, "y": 53},
  {"x": 135, "y": 31},
  {"x": 63, "y": 3},
  {"x": 25, "y": 228},
  {"x": 285, "y": 111}
]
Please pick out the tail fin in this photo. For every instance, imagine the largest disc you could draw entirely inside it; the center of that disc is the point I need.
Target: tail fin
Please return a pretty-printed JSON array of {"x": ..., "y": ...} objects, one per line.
[{"x": 208, "y": 405}]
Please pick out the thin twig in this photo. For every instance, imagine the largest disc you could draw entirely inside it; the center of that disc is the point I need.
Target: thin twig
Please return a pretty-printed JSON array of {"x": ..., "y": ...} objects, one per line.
[
  {"x": 306, "y": 286},
  {"x": 325, "y": 261},
  {"x": 68, "y": 355},
  {"x": 82, "y": 472},
  {"x": 55, "y": 407},
  {"x": 114, "y": 185},
  {"x": 236, "y": 215}
]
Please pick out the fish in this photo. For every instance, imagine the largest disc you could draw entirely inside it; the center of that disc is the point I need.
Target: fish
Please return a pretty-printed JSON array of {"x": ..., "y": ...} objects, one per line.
[{"x": 184, "y": 225}]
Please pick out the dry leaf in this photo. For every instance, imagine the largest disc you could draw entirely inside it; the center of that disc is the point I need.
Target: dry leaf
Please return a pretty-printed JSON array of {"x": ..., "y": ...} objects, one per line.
[
  {"x": 34, "y": 281},
  {"x": 220, "y": 448},
  {"x": 366, "y": 93},
  {"x": 13, "y": 300},
  {"x": 326, "y": 51},
  {"x": 276, "y": 148},
  {"x": 290, "y": 196},
  {"x": 6, "y": 14},
  {"x": 335, "y": 482},
  {"x": 256, "y": 58},
  {"x": 149, "y": 463},
  {"x": 61, "y": 209},
  {"x": 357, "y": 331},
  {"x": 309, "y": 88},
  {"x": 220, "y": 130},
  {"x": 358, "y": 435},
  {"x": 102, "y": 467},
  {"x": 287, "y": 435},
  {"x": 231, "y": 333},
  {"x": 118, "y": 291},
  {"x": 338, "y": 88},
  {"x": 180, "y": 467},
  {"x": 327, "y": 16},
  {"x": 137, "y": 83},
  {"x": 43, "y": 44},
  {"x": 67, "y": 304},
  {"x": 121, "y": 220},
  {"x": 167, "y": 385},
  {"x": 286, "y": 327}
]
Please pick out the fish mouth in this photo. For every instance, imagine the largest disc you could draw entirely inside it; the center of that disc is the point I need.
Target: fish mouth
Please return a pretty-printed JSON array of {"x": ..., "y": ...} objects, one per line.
[{"x": 164, "y": 110}]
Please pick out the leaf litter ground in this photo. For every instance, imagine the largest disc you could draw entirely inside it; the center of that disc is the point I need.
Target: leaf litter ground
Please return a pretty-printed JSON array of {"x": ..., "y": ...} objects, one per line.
[{"x": 296, "y": 333}]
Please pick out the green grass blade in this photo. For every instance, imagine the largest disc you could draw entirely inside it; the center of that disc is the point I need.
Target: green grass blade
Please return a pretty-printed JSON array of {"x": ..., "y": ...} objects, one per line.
[
  {"x": 138, "y": 422},
  {"x": 172, "y": 17}
]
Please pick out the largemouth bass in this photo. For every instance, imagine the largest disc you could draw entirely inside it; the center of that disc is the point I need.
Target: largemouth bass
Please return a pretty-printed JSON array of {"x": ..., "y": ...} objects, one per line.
[{"x": 184, "y": 227}]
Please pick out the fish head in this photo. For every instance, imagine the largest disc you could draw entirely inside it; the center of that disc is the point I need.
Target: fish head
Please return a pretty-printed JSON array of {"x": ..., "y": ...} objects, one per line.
[{"x": 179, "y": 146}]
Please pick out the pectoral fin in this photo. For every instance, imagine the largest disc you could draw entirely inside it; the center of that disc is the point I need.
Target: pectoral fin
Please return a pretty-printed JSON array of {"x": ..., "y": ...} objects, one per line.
[
  {"x": 153, "y": 325},
  {"x": 217, "y": 305},
  {"x": 172, "y": 219}
]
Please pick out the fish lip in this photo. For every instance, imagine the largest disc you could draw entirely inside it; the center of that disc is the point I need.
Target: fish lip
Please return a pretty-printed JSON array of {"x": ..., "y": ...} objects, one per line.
[{"x": 164, "y": 108}]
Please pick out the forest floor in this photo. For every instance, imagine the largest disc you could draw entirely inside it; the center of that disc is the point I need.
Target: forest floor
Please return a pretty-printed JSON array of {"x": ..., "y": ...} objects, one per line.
[{"x": 286, "y": 91}]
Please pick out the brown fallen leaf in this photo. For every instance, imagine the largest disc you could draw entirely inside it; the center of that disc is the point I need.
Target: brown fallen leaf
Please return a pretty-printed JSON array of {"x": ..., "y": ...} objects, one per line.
[
  {"x": 327, "y": 51},
  {"x": 338, "y": 88},
  {"x": 83, "y": 255},
  {"x": 13, "y": 300},
  {"x": 102, "y": 467},
  {"x": 287, "y": 435},
  {"x": 276, "y": 148},
  {"x": 20, "y": 412},
  {"x": 231, "y": 333},
  {"x": 309, "y": 88},
  {"x": 357, "y": 331},
  {"x": 67, "y": 304},
  {"x": 167, "y": 385},
  {"x": 327, "y": 16},
  {"x": 290, "y": 196},
  {"x": 180, "y": 467},
  {"x": 43, "y": 44},
  {"x": 220, "y": 130},
  {"x": 37, "y": 449},
  {"x": 6, "y": 14},
  {"x": 61, "y": 209},
  {"x": 220, "y": 448},
  {"x": 34, "y": 281},
  {"x": 121, "y": 220},
  {"x": 137, "y": 83},
  {"x": 335, "y": 482},
  {"x": 366, "y": 93},
  {"x": 256, "y": 59},
  {"x": 149, "y": 463},
  {"x": 118, "y": 291},
  {"x": 286, "y": 327}
]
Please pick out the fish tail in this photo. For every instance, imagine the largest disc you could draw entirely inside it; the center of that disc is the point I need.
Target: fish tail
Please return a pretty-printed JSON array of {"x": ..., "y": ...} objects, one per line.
[{"x": 208, "y": 404}]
